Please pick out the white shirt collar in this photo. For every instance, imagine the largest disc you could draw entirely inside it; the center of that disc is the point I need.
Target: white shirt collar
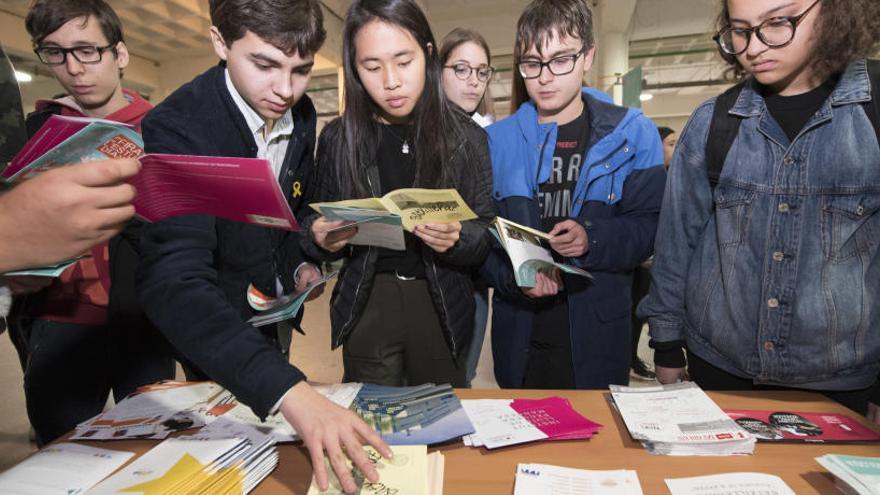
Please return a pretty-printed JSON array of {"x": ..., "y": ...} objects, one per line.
[{"x": 283, "y": 126}]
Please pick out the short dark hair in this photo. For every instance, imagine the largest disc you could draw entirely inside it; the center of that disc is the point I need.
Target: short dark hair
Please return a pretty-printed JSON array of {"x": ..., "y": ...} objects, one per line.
[
  {"x": 47, "y": 16},
  {"x": 846, "y": 30},
  {"x": 458, "y": 37},
  {"x": 541, "y": 21},
  {"x": 665, "y": 132},
  {"x": 289, "y": 25}
]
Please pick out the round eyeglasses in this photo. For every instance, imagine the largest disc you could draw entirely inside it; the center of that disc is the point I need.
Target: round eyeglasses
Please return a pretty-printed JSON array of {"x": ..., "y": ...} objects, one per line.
[
  {"x": 84, "y": 54},
  {"x": 775, "y": 32},
  {"x": 558, "y": 66},
  {"x": 464, "y": 71}
]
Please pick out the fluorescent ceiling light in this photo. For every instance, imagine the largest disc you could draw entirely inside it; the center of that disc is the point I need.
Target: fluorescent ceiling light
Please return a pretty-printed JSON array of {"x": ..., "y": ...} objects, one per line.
[
  {"x": 646, "y": 96},
  {"x": 23, "y": 76}
]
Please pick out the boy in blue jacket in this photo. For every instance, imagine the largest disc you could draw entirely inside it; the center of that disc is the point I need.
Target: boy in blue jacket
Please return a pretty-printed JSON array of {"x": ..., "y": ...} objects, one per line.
[{"x": 590, "y": 173}]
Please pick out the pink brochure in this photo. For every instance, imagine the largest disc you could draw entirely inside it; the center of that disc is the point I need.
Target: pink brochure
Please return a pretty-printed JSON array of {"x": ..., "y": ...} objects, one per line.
[
  {"x": 239, "y": 189},
  {"x": 55, "y": 131},
  {"x": 555, "y": 417},
  {"x": 791, "y": 426}
]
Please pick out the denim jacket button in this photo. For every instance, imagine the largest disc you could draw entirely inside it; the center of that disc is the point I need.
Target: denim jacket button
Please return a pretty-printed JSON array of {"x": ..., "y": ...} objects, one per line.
[
  {"x": 768, "y": 346},
  {"x": 778, "y": 256},
  {"x": 788, "y": 160},
  {"x": 772, "y": 303},
  {"x": 783, "y": 207}
]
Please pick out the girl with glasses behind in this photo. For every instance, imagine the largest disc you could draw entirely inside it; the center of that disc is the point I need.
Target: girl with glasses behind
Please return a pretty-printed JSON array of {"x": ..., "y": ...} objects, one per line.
[
  {"x": 767, "y": 265},
  {"x": 403, "y": 317},
  {"x": 467, "y": 73}
]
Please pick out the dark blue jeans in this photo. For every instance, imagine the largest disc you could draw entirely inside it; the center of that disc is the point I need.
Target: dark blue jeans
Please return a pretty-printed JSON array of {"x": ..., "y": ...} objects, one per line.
[{"x": 70, "y": 370}]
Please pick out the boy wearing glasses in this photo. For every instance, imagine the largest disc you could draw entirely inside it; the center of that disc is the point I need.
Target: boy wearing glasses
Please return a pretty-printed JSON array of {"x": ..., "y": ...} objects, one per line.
[
  {"x": 590, "y": 173},
  {"x": 768, "y": 252},
  {"x": 83, "y": 336}
]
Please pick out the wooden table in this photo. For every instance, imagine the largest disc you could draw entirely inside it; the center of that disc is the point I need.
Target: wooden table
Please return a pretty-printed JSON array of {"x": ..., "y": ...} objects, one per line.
[{"x": 483, "y": 472}]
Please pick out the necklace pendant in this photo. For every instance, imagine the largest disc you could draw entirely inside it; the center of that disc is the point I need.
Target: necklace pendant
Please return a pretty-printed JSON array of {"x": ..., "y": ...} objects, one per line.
[{"x": 405, "y": 148}]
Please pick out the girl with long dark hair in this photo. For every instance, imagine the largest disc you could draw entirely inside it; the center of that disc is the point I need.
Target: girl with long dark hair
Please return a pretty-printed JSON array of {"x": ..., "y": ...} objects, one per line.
[{"x": 403, "y": 317}]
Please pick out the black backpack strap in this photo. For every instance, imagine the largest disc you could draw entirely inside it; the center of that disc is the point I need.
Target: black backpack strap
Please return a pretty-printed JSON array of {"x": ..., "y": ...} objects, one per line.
[
  {"x": 872, "y": 108},
  {"x": 722, "y": 132}
]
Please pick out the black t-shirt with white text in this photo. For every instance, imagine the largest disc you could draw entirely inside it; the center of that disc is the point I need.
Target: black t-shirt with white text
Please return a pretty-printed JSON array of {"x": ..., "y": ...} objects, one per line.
[{"x": 555, "y": 195}]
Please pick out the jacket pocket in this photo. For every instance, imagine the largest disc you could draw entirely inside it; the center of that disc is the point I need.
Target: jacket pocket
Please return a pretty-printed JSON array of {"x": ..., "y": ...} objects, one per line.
[
  {"x": 733, "y": 209},
  {"x": 850, "y": 225}
]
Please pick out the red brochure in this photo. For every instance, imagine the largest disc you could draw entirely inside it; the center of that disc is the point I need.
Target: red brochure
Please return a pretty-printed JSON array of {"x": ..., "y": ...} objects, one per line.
[{"x": 784, "y": 426}]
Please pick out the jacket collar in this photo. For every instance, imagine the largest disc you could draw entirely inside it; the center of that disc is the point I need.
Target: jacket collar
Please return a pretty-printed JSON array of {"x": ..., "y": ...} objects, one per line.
[
  {"x": 604, "y": 115},
  {"x": 854, "y": 87}
]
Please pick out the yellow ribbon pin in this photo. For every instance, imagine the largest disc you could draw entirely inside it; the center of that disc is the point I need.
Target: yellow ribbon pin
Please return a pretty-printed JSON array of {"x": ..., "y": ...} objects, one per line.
[{"x": 297, "y": 189}]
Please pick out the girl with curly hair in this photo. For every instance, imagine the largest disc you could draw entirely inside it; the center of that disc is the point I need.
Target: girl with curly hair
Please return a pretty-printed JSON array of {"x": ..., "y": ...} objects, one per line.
[{"x": 771, "y": 278}]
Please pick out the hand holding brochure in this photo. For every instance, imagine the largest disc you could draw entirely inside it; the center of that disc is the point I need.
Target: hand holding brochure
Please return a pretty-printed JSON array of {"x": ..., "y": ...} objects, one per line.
[
  {"x": 381, "y": 221},
  {"x": 527, "y": 254},
  {"x": 288, "y": 306},
  {"x": 239, "y": 189}
]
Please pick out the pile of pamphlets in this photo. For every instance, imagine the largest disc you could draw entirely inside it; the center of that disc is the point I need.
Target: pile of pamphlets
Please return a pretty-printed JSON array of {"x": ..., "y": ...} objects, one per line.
[
  {"x": 67, "y": 468},
  {"x": 791, "y": 426},
  {"x": 421, "y": 415},
  {"x": 503, "y": 422},
  {"x": 679, "y": 419},
  {"x": 158, "y": 410},
  {"x": 543, "y": 479},
  {"x": 854, "y": 474},
  {"x": 729, "y": 484},
  {"x": 193, "y": 465},
  {"x": 155, "y": 411},
  {"x": 412, "y": 471}
]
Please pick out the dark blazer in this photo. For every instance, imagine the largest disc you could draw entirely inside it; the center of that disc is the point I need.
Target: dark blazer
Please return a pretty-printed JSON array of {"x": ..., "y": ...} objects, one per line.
[{"x": 195, "y": 269}]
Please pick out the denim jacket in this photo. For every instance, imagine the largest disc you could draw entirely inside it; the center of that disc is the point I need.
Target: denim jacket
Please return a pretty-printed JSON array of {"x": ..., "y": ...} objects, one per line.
[{"x": 775, "y": 275}]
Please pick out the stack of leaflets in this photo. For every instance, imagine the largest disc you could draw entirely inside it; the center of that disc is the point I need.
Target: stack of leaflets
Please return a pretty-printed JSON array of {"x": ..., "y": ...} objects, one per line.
[
  {"x": 787, "y": 426},
  {"x": 285, "y": 307},
  {"x": 381, "y": 221},
  {"x": 679, "y": 419},
  {"x": 412, "y": 471},
  {"x": 729, "y": 484},
  {"x": 156, "y": 411},
  {"x": 190, "y": 465},
  {"x": 63, "y": 468},
  {"x": 526, "y": 248},
  {"x": 240, "y": 189},
  {"x": 544, "y": 479},
  {"x": 503, "y": 422},
  {"x": 854, "y": 475},
  {"x": 421, "y": 415}
]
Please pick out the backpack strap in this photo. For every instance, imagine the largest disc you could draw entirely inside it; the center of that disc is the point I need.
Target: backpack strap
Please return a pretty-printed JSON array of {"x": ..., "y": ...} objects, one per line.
[
  {"x": 722, "y": 133},
  {"x": 872, "y": 108}
]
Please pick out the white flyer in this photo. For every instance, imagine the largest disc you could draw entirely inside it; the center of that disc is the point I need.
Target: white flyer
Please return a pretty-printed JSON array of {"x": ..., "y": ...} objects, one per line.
[
  {"x": 497, "y": 424},
  {"x": 544, "y": 479},
  {"x": 729, "y": 484},
  {"x": 64, "y": 469}
]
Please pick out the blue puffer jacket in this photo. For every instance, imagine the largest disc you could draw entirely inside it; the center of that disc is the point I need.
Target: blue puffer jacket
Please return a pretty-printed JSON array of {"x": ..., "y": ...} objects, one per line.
[{"x": 617, "y": 200}]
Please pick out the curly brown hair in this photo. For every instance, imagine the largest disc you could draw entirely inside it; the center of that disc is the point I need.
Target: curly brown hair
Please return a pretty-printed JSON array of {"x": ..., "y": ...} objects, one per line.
[{"x": 847, "y": 30}]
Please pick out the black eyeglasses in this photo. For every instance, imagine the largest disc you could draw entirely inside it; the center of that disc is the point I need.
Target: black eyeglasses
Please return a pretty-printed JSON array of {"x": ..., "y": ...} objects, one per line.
[
  {"x": 558, "y": 66},
  {"x": 85, "y": 54},
  {"x": 775, "y": 32},
  {"x": 464, "y": 71}
]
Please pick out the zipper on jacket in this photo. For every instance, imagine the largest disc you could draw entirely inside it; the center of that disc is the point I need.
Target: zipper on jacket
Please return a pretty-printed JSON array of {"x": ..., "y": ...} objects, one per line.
[
  {"x": 540, "y": 166},
  {"x": 360, "y": 283},
  {"x": 443, "y": 302}
]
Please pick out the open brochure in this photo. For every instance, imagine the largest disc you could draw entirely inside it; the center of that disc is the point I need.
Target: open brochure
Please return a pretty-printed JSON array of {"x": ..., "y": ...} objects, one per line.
[
  {"x": 239, "y": 189},
  {"x": 545, "y": 479},
  {"x": 381, "y": 221},
  {"x": 63, "y": 469},
  {"x": 526, "y": 248}
]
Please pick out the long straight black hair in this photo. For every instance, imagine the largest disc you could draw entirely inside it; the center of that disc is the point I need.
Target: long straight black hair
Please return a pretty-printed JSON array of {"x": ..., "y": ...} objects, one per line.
[{"x": 437, "y": 126}]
